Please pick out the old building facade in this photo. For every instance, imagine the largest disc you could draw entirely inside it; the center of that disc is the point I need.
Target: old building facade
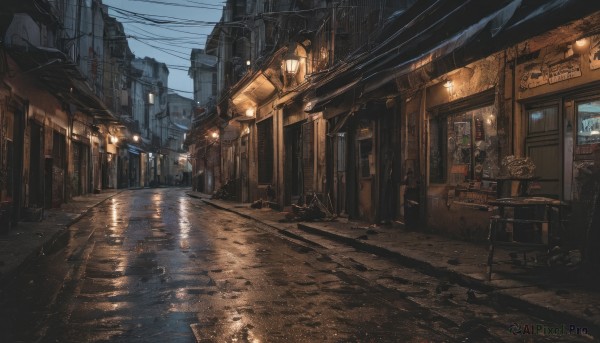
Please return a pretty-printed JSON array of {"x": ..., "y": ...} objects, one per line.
[
  {"x": 371, "y": 108},
  {"x": 69, "y": 107}
]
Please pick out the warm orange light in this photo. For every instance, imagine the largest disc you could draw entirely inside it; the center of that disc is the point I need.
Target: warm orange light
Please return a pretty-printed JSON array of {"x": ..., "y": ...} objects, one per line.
[{"x": 581, "y": 42}]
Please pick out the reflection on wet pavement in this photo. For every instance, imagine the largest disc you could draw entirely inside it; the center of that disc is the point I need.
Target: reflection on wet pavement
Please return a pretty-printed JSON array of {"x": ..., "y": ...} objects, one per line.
[{"x": 161, "y": 267}]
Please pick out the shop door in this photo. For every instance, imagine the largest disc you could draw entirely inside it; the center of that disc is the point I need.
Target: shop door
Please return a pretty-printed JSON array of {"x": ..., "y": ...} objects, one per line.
[
  {"x": 340, "y": 172},
  {"x": 58, "y": 168},
  {"x": 244, "y": 169},
  {"x": 80, "y": 169},
  {"x": 542, "y": 145},
  {"x": 308, "y": 159},
  {"x": 293, "y": 163},
  {"x": 365, "y": 178},
  {"x": 15, "y": 162},
  {"x": 76, "y": 169},
  {"x": 36, "y": 166}
]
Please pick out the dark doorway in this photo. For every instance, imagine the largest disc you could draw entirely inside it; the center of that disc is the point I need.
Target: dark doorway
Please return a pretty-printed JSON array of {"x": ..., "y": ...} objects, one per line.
[
  {"x": 36, "y": 166},
  {"x": 57, "y": 168},
  {"x": 14, "y": 136},
  {"x": 294, "y": 181}
]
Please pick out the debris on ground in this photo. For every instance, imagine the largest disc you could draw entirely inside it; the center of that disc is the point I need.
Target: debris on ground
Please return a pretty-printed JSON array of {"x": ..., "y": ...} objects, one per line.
[
  {"x": 560, "y": 257},
  {"x": 314, "y": 211},
  {"x": 260, "y": 203}
]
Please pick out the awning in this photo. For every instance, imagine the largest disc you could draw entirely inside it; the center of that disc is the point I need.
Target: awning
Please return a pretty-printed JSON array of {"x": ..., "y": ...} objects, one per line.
[
  {"x": 434, "y": 37},
  {"x": 256, "y": 91},
  {"x": 61, "y": 78},
  {"x": 316, "y": 104}
]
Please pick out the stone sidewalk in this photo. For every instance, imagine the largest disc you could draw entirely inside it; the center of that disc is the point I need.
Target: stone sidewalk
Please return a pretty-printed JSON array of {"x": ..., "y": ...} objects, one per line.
[
  {"x": 556, "y": 294},
  {"x": 551, "y": 293},
  {"x": 29, "y": 239}
]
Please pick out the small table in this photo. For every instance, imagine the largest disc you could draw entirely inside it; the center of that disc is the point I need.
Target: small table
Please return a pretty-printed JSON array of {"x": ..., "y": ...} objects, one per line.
[{"x": 528, "y": 228}]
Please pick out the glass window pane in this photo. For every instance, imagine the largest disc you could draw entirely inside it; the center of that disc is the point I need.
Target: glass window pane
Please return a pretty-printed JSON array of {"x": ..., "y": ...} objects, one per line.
[
  {"x": 543, "y": 120},
  {"x": 551, "y": 119},
  {"x": 459, "y": 147},
  {"x": 588, "y": 122},
  {"x": 536, "y": 121}
]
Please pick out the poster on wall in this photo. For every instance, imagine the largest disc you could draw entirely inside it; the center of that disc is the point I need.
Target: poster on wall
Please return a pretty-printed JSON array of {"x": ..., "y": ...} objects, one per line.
[
  {"x": 535, "y": 75},
  {"x": 595, "y": 52},
  {"x": 564, "y": 70}
]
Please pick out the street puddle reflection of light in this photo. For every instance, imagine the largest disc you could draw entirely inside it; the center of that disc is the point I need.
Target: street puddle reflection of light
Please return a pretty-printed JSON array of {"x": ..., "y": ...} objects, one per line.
[
  {"x": 157, "y": 198},
  {"x": 184, "y": 224},
  {"x": 119, "y": 223},
  {"x": 240, "y": 332},
  {"x": 114, "y": 211}
]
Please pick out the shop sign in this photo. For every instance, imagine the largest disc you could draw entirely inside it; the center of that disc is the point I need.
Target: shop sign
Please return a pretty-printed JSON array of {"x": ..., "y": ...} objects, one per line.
[
  {"x": 535, "y": 75},
  {"x": 564, "y": 70},
  {"x": 595, "y": 52}
]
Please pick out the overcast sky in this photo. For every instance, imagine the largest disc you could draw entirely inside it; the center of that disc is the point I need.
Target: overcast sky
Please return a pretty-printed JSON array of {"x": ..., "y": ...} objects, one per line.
[{"x": 167, "y": 30}]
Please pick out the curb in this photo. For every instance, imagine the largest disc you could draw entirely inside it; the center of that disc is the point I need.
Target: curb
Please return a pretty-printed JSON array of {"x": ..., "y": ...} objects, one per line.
[
  {"x": 460, "y": 278},
  {"x": 278, "y": 229},
  {"x": 424, "y": 266},
  {"x": 429, "y": 269}
]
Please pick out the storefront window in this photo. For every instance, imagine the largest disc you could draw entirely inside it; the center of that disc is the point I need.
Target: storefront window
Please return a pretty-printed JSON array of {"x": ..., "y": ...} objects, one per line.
[
  {"x": 464, "y": 146},
  {"x": 588, "y": 122}
]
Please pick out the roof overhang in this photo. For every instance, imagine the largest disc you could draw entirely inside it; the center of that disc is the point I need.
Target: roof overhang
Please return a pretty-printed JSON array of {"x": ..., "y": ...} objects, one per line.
[
  {"x": 257, "y": 91},
  {"x": 61, "y": 78}
]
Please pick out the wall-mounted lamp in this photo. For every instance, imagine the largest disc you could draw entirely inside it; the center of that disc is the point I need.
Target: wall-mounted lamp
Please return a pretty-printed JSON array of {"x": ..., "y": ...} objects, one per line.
[
  {"x": 250, "y": 112},
  {"x": 136, "y": 138},
  {"x": 151, "y": 98},
  {"x": 214, "y": 135},
  {"x": 579, "y": 47},
  {"x": 291, "y": 61},
  {"x": 580, "y": 43},
  {"x": 448, "y": 84},
  {"x": 114, "y": 139},
  {"x": 248, "y": 63}
]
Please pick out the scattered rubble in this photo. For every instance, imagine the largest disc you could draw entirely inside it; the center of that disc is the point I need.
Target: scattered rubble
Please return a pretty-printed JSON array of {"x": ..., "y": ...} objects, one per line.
[{"x": 559, "y": 257}]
